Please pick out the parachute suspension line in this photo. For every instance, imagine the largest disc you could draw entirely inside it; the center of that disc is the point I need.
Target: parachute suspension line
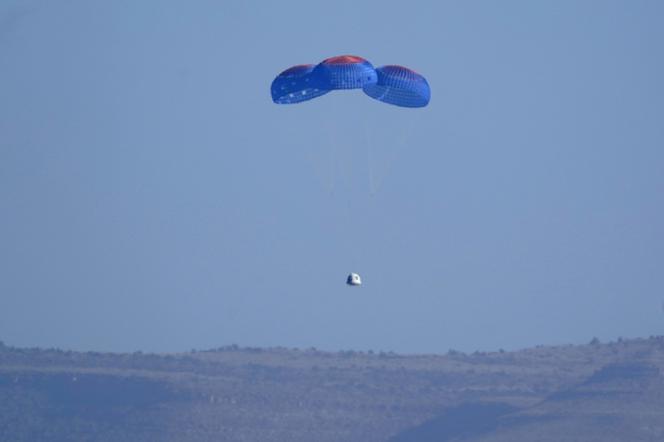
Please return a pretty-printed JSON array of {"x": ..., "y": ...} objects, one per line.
[
  {"x": 341, "y": 195},
  {"x": 368, "y": 216},
  {"x": 320, "y": 158},
  {"x": 350, "y": 197},
  {"x": 332, "y": 143},
  {"x": 352, "y": 239},
  {"x": 369, "y": 144},
  {"x": 322, "y": 153},
  {"x": 392, "y": 147},
  {"x": 335, "y": 154}
]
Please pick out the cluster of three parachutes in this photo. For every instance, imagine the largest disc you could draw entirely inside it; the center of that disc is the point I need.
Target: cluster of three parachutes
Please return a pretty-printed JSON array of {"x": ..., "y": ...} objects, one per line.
[{"x": 390, "y": 84}]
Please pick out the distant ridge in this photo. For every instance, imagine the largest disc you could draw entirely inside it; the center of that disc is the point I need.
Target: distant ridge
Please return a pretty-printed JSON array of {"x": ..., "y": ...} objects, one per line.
[{"x": 607, "y": 392}]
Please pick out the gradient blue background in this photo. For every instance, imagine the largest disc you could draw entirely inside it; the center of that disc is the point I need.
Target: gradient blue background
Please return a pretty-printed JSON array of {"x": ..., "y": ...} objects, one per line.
[{"x": 153, "y": 197}]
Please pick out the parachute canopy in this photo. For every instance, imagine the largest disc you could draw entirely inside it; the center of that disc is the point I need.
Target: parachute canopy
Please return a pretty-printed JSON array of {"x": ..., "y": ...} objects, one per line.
[
  {"x": 400, "y": 86},
  {"x": 346, "y": 72},
  {"x": 391, "y": 84},
  {"x": 296, "y": 84}
]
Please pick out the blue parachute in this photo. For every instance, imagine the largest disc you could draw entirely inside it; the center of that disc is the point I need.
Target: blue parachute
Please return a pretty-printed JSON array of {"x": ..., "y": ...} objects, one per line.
[
  {"x": 390, "y": 84},
  {"x": 345, "y": 72},
  {"x": 297, "y": 84},
  {"x": 400, "y": 86}
]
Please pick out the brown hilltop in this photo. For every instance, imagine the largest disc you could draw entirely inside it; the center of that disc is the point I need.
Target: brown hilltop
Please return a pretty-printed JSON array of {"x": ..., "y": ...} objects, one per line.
[{"x": 588, "y": 392}]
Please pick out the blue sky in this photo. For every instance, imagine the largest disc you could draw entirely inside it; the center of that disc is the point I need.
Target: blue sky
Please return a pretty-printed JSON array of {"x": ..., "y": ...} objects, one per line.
[{"x": 153, "y": 197}]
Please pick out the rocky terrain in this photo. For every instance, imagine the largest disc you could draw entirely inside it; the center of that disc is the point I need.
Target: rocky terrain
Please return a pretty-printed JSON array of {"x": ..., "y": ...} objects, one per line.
[{"x": 594, "y": 392}]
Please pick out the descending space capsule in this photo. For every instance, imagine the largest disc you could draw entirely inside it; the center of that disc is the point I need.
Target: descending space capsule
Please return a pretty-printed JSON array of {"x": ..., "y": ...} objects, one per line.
[{"x": 354, "y": 279}]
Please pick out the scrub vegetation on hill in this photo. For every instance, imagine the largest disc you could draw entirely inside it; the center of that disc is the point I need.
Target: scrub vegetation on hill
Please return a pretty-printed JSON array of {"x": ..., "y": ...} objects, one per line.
[{"x": 594, "y": 392}]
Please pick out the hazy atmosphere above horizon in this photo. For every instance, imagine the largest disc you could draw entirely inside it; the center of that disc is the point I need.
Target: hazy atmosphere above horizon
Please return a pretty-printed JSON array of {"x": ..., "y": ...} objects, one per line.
[{"x": 153, "y": 197}]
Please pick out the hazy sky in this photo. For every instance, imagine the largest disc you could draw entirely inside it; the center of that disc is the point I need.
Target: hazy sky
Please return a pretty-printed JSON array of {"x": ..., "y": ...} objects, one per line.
[{"x": 153, "y": 197}]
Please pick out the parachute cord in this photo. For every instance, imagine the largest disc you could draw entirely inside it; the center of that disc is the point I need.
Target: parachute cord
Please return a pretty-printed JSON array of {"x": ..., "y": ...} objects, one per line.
[
  {"x": 369, "y": 144},
  {"x": 391, "y": 152},
  {"x": 347, "y": 227},
  {"x": 342, "y": 196},
  {"x": 333, "y": 153},
  {"x": 353, "y": 240}
]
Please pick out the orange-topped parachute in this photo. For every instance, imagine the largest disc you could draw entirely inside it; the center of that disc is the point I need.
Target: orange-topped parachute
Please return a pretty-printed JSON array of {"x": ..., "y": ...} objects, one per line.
[{"x": 391, "y": 84}]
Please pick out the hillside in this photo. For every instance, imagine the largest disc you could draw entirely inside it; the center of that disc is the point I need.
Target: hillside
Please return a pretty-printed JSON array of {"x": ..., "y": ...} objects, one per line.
[{"x": 591, "y": 392}]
